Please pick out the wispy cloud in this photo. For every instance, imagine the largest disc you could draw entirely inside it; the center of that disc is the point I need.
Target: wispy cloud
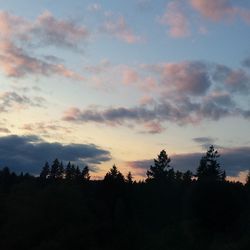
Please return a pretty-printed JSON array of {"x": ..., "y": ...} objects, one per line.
[
  {"x": 217, "y": 10},
  {"x": 116, "y": 25},
  {"x": 20, "y": 36},
  {"x": 12, "y": 100},
  {"x": 176, "y": 19}
]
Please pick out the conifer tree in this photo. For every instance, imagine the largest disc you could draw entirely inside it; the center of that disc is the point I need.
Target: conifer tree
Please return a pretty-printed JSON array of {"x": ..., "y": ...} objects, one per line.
[
  {"x": 209, "y": 168},
  {"x": 85, "y": 174},
  {"x": 45, "y": 171},
  {"x": 161, "y": 170}
]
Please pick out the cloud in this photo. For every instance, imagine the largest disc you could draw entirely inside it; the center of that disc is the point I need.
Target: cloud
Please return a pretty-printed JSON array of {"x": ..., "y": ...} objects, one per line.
[
  {"x": 29, "y": 153},
  {"x": 47, "y": 129},
  {"x": 205, "y": 142},
  {"x": 233, "y": 160},
  {"x": 176, "y": 19},
  {"x": 182, "y": 93},
  {"x": 217, "y": 10},
  {"x": 94, "y": 7},
  {"x": 117, "y": 27},
  {"x": 111, "y": 116},
  {"x": 63, "y": 33},
  {"x": 235, "y": 80},
  {"x": 246, "y": 62},
  {"x": 153, "y": 127},
  {"x": 20, "y": 37},
  {"x": 11, "y": 99},
  {"x": 183, "y": 111},
  {"x": 129, "y": 76},
  {"x": 185, "y": 77},
  {"x": 4, "y": 130}
]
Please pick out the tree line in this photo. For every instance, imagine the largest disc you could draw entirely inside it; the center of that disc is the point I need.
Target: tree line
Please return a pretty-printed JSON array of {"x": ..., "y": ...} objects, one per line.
[{"x": 63, "y": 208}]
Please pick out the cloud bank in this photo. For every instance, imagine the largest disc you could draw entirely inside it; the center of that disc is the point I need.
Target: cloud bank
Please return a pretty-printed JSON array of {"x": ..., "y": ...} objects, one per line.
[
  {"x": 188, "y": 92},
  {"x": 29, "y": 153}
]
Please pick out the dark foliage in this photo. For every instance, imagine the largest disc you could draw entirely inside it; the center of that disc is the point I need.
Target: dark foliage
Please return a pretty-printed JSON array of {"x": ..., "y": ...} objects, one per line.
[{"x": 64, "y": 209}]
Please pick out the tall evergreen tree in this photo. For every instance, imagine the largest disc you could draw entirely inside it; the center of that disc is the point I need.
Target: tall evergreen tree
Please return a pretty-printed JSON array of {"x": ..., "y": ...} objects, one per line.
[
  {"x": 68, "y": 172},
  {"x": 161, "y": 170},
  {"x": 114, "y": 176},
  {"x": 209, "y": 168},
  {"x": 129, "y": 178},
  {"x": 45, "y": 173},
  {"x": 55, "y": 171},
  {"x": 85, "y": 174}
]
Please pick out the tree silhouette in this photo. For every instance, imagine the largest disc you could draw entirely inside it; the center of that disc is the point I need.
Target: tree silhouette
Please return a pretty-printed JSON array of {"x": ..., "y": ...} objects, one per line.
[
  {"x": 45, "y": 171},
  {"x": 56, "y": 171},
  {"x": 187, "y": 177},
  {"x": 209, "y": 168},
  {"x": 248, "y": 179},
  {"x": 114, "y": 176},
  {"x": 161, "y": 170},
  {"x": 85, "y": 176},
  {"x": 129, "y": 178},
  {"x": 69, "y": 172}
]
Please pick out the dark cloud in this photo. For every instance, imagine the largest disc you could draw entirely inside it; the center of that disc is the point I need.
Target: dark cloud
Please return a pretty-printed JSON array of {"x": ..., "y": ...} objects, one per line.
[
  {"x": 233, "y": 160},
  {"x": 204, "y": 140},
  {"x": 246, "y": 62},
  {"x": 28, "y": 153},
  {"x": 184, "y": 111},
  {"x": 233, "y": 80}
]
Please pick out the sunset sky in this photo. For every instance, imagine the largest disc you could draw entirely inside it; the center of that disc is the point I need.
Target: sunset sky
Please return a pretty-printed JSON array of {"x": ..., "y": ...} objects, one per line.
[{"x": 115, "y": 82}]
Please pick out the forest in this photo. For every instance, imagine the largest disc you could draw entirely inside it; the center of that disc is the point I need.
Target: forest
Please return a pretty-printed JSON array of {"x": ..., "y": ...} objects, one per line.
[{"x": 63, "y": 208}]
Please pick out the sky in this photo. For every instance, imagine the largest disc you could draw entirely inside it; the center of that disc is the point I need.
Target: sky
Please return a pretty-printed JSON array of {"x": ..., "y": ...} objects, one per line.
[{"x": 115, "y": 82}]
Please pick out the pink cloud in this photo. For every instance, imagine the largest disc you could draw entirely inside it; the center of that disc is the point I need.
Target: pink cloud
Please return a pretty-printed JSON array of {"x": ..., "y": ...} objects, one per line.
[
  {"x": 17, "y": 57},
  {"x": 71, "y": 114},
  {"x": 176, "y": 19},
  {"x": 52, "y": 31},
  {"x": 185, "y": 78},
  {"x": 219, "y": 9},
  {"x": 154, "y": 127},
  {"x": 146, "y": 100},
  {"x": 129, "y": 76},
  {"x": 118, "y": 27},
  {"x": 15, "y": 62}
]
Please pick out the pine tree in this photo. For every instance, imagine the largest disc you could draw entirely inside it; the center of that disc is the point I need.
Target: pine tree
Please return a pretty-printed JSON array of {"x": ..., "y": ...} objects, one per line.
[
  {"x": 85, "y": 174},
  {"x": 129, "y": 178},
  {"x": 68, "y": 172},
  {"x": 45, "y": 171},
  {"x": 161, "y": 170},
  {"x": 114, "y": 176},
  {"x": 187, "y": 177},
  {"x": 209, "y": 168},
  {"x": 55, "y": 171}
]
